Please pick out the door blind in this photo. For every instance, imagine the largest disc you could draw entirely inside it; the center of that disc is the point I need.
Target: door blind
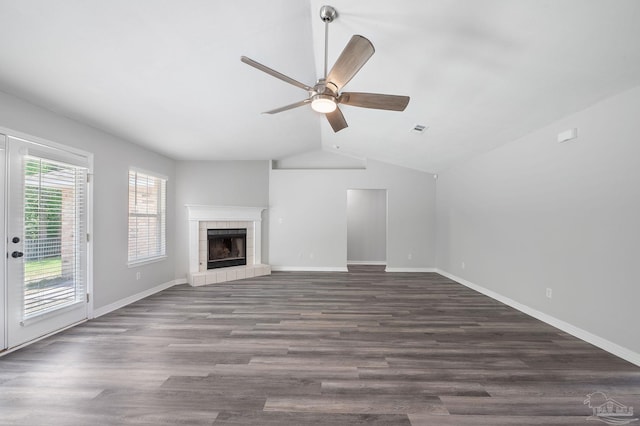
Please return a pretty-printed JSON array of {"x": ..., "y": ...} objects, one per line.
[{"x": 54, "y": 235}]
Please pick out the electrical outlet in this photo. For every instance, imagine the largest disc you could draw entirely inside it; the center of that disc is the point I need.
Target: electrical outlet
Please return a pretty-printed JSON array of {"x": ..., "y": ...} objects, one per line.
[
  {"x": 138, "y": 275},
  {"x": 310, "y": 255},
  {"x": 463, "y": 265},
  {"x": 549, "y": 293},
  {"x": 410, "y": 256}
]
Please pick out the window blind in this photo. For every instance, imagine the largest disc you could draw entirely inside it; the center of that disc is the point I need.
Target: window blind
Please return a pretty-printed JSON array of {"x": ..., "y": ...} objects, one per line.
[
  {"x": 147, "y": 217},
  {"x": 54, "y": 235}
]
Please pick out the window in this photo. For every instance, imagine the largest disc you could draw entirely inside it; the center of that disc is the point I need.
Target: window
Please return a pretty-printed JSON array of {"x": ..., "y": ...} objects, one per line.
[{"x": 147, "y": 217}]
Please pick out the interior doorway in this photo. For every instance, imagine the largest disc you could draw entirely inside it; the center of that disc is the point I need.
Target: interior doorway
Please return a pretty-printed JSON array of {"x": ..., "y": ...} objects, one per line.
[{"x": 367, "y": 227}]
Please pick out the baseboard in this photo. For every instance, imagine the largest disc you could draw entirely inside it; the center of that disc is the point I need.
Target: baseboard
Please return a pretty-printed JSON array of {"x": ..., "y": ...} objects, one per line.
[
  {"x": 134, "y": 298},
  {"x": 366, "y": 262},
  {"x": 388, "y": 269},
  {"x": 613, "y": 348},
  {"x": 309, "y": 268}
]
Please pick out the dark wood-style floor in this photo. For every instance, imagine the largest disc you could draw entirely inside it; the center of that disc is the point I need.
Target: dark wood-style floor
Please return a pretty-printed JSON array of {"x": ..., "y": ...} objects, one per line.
[{"x": 312, "y": 349}]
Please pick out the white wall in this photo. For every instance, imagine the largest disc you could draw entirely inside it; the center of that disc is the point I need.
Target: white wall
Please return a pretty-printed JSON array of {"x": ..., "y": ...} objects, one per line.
[
  {"x": 366, "y": 225},
  {"x": 308, "y": 216},
  {"x": 113, "y": 279},
  {"x": 218, "y": 183},
  {"x": 320, "y": 160},
  {"x": 536, "y": 214}
]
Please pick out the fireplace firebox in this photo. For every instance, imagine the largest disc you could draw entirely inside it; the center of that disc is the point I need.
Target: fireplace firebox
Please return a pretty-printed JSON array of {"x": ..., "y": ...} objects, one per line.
[{"x": 226, "y": 247}]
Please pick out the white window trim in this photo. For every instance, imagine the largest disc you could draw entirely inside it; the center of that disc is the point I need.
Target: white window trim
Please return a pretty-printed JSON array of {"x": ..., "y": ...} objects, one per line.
[
  {"x": 158, "y": 257},
  {"x": 145, "y": 261}
]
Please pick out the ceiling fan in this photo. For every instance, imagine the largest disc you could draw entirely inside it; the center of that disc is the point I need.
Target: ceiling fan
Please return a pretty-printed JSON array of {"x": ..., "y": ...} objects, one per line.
[{"x": 326, "y": 94}]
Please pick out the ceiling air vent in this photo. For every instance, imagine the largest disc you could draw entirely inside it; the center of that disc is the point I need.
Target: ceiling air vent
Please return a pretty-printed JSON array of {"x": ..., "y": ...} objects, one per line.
[{"x": 419, "y": 128}]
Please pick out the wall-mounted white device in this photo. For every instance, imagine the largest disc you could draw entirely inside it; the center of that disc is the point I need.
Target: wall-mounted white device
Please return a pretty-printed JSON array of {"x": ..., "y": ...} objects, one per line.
[{"x": 567, "y": 135}]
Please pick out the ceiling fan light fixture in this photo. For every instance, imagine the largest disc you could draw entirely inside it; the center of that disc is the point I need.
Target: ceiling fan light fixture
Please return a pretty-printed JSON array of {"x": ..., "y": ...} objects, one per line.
[{"x": 323, "y": 104}]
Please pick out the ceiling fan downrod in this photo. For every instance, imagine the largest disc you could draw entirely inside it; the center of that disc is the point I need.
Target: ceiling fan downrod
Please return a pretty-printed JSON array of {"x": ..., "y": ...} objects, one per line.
[{"x": 327, "y": 14}]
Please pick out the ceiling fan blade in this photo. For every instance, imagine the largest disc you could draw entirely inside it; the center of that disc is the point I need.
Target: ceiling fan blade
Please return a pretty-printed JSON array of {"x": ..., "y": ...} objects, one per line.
[
  {"x": 274, "y": 73},
  {"x": 288, "y": 107},
  {"x": 337, "y": 121},
  {"x": 374, "y": 100},
  {"x": 353, "y": 57}
]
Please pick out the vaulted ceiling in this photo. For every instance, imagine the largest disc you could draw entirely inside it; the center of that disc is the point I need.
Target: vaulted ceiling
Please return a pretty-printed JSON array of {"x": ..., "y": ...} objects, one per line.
[{"x": 166, "y": 74}]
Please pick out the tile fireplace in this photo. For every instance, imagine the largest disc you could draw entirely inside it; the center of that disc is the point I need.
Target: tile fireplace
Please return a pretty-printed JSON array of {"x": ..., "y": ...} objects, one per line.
[{"x": 224, "y": 244}]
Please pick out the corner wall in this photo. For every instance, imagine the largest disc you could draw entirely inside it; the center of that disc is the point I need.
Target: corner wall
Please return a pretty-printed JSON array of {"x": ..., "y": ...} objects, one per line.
[
  {"x": 308, "y": 216},
  {"x": 536, "y": 214},
  {"x": 218, "y": 183}
]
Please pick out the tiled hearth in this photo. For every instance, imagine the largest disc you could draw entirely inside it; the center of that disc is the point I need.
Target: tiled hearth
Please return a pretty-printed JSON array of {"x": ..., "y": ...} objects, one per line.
[{"x": 202, "y": 218}]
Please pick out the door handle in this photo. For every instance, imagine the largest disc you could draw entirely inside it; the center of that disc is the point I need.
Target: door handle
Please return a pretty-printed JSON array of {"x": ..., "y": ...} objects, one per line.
[{"x": 17, "y": 254}]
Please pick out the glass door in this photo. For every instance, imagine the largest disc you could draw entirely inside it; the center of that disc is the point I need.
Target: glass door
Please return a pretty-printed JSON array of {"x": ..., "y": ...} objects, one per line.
[
  {"x": 3, "y": 288},
  {"x": 46, "y": 240}
]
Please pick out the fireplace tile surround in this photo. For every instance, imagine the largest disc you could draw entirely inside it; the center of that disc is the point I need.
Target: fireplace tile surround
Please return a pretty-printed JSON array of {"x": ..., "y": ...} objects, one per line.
[{"x": 202, "y": 218}]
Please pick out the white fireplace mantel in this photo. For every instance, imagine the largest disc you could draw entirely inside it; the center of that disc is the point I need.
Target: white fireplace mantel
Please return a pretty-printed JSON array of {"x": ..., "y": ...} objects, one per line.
[{"x": 199, "y": 213}]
